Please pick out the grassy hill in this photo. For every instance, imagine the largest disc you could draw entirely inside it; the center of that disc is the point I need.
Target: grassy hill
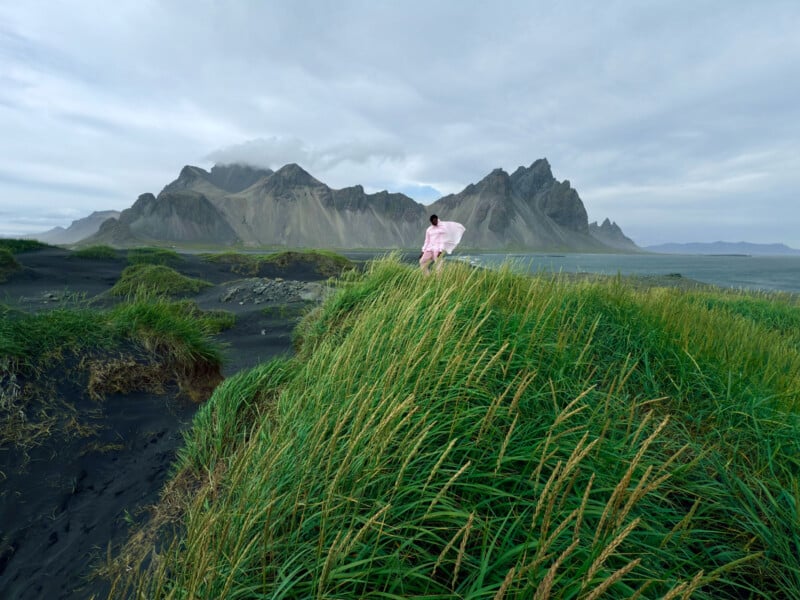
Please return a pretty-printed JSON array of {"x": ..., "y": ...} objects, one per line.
[{"x": 489, "y": 435}]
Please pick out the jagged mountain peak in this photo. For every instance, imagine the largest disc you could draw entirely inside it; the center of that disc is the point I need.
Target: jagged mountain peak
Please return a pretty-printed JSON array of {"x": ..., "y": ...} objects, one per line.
[
  {"x": 236, "y": 177},
  {"x": 231, "y": 178},
  {"x": 528, "y": 181},
  {"x": 190, "y": 178},
  {"x": 296, "y": 175},
  {"x": 611, "y": 234},
  {"x": 192, "y": 172},
  {"x": 497, "y": 182},
  {"x": 541, "y": 166}
]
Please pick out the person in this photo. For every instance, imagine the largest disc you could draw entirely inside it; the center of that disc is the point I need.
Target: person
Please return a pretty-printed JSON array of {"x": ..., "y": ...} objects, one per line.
[{"x": 440, "y": 238}]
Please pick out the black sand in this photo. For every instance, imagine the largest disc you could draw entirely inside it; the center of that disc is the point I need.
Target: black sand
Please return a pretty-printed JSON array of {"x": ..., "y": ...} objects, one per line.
[{"x": 65, "y": 503}]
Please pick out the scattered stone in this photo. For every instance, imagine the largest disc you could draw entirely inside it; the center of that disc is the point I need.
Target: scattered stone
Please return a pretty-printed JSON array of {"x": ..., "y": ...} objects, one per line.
[{"x": 277, "y": 290}]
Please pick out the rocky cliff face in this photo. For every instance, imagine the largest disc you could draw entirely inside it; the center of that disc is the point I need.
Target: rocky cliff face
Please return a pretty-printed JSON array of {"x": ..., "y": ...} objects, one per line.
[
  {"x": 235, "y": 204},
  {"x": 611, "y": 235},
  {"x": 177, "y": 216},
  {"x": 292, "y": 208},
  {"x": 528, "y": 210}
]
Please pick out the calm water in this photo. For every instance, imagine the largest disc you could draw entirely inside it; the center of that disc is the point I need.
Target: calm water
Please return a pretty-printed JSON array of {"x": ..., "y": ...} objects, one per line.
[{"x": 750, "y": 272}]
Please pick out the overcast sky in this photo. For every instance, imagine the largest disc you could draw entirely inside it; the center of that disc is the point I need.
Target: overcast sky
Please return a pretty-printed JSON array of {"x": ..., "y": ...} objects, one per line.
[{"x": 679, "y": 120}]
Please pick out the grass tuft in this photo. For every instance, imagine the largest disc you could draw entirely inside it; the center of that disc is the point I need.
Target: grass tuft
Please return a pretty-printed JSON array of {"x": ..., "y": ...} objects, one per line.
[
  {"x": 159, "y": 280},
  {"x": 146, "y": 344},
  {"x": 153, "y": 256}
]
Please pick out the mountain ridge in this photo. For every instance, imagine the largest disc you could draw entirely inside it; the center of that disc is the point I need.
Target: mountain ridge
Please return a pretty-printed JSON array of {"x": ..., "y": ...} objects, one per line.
[
  {"x": 242, "y": 205},
  {"x": 77, "y": 230}
]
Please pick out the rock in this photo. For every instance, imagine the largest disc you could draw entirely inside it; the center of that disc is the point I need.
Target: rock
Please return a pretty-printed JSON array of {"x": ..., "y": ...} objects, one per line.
[{"x": 265, "y": 290}]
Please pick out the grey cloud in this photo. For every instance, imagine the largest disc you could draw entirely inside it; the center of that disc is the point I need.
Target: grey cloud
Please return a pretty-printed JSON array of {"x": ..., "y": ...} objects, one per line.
[
  {"x": 31, "y": 183},
  {"x": 276, "y": 151}
]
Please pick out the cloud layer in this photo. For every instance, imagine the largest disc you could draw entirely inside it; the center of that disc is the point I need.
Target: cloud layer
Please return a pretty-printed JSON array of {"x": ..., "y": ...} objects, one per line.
[{"x": 677, "y": 120}]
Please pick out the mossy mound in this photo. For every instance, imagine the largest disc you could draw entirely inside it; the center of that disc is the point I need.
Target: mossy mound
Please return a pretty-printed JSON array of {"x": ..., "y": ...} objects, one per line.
[
  {"x": 321, "y": 262},
  {"x": 239, "y": 263},
  {"x": 158, "y": 280},
  {"x": 327, "y": 264},
  {"x": 153, "y": 256}
]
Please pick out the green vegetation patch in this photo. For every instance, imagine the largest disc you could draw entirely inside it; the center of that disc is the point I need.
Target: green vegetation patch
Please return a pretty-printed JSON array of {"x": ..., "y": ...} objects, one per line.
[
  {"x": 141, "y": 345},
  {"x": 243, "y": 264},
  {"x": 485, "y": 434},
  {"x": 147, "y": 279},
  {"x": 325, "y": 263},
  {"x": 153, "y": 256},
  {"x": 98, "y": 252},
  {"x": 8, "y": 264},
  {"x": 775, "y": 312},
  {"x": 20, "y": 246}
]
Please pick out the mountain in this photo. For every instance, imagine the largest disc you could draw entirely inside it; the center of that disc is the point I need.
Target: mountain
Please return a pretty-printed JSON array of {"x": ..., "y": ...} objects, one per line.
[
  {"x": 222, "y": 180},
  {"x": 528, "y": 209},
  {"x": 611, "y": 235},
  {"x": 177, "y": 216},
  {"x": 78, "y": 229},
  {"x": 237, "y": 204},
  {"x": 725, "y": 248}
]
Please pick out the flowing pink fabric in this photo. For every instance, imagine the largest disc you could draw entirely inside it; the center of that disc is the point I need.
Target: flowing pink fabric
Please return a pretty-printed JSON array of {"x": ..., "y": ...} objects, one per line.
[
  {"x": 454, "y": 232},
  {"x": 443, "y": 237}
]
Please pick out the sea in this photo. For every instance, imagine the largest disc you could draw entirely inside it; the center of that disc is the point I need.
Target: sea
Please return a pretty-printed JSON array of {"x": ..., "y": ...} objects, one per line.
[{"x": 750, "y": 272}]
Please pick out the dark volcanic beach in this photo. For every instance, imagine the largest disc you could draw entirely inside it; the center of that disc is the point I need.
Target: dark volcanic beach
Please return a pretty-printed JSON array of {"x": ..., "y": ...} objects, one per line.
[{"x": 69, "y": 499}]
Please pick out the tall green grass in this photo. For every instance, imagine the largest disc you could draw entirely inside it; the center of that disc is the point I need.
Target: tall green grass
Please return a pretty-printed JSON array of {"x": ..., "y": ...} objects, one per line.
[
  {"x": 34, "y": 341},
  {"x": 46, "y": 353},
  {"x": 489, "y": 435}
]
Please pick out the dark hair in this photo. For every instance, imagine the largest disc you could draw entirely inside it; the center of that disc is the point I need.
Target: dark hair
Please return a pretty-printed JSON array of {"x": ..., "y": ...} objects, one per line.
[{"x": 434, "y": 217}]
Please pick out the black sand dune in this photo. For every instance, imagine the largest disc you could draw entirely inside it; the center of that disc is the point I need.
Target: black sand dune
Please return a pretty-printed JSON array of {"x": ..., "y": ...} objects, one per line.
[{"x": 63, "y": 504}]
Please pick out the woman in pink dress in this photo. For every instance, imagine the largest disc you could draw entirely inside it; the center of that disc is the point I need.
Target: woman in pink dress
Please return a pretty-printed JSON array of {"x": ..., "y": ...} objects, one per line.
[{"x": 440, "y": 238}]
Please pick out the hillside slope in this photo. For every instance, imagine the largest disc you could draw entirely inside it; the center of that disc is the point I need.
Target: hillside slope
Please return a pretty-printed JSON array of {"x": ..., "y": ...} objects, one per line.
[{"x": 484, "y": 434}]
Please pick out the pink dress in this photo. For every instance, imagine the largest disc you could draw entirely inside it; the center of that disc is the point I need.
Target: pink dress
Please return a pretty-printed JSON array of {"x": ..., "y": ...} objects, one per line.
[{"x": 443, "y": 237}]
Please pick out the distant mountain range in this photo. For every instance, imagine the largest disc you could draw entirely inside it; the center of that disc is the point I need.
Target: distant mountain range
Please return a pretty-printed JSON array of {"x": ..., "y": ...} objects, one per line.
[
  {"x": 243, "y": 205},
  {"x": 725, "y": 248},
  {"x": 78, "y": 230}
]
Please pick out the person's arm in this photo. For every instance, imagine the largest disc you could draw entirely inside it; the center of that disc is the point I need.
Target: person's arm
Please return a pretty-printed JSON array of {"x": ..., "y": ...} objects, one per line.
[{"x": 427, "y": 239}]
